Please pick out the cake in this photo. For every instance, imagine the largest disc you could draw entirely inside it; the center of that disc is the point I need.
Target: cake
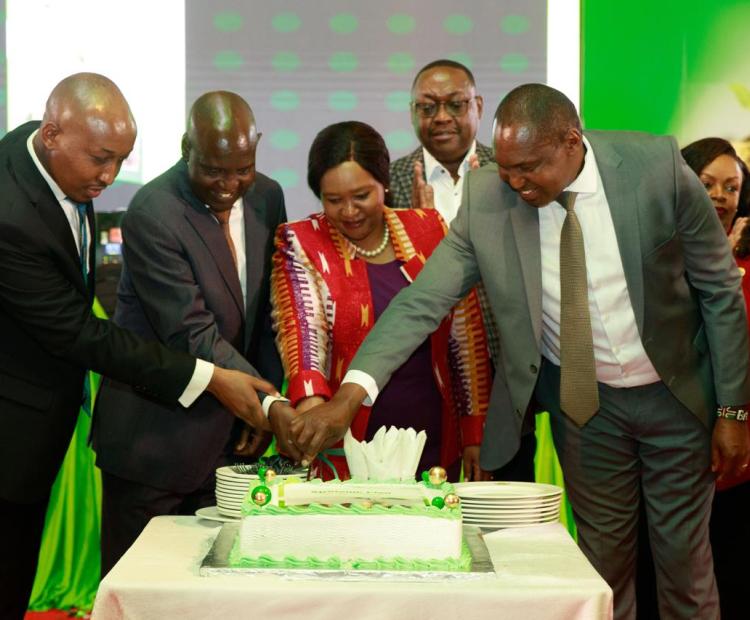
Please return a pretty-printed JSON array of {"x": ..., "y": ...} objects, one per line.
[{"x": 352, "y": 526}]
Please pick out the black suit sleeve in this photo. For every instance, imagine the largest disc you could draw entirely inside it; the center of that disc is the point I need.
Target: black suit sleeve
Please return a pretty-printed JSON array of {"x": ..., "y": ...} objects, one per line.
[{"x": 40, "y": 297}]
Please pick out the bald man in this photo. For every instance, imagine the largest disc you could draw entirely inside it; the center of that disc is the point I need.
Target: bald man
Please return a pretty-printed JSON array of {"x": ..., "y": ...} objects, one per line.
[
  {"x": 197, "y": 252},
  {"x": 49, "y": 173}
]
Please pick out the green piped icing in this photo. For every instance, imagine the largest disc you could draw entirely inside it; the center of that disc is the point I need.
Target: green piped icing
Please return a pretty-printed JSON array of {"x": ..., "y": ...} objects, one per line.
[{"x": 462, "y": 564}]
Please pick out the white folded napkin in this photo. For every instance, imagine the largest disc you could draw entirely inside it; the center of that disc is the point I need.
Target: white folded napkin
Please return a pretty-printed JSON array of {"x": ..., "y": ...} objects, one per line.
[{"x": 392, "y": 454}]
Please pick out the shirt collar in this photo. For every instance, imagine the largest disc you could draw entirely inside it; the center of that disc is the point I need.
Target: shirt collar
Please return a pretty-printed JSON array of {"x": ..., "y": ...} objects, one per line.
[
  {"x": 59, "y": 194},
  {"x": 237, "y": 205},
  {"x": 587, "y": 182},
  {"x": 432, "y": 165}
]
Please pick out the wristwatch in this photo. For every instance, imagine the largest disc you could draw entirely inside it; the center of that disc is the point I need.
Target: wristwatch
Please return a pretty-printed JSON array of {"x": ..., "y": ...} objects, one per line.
[{"x": 730, "y": 412}]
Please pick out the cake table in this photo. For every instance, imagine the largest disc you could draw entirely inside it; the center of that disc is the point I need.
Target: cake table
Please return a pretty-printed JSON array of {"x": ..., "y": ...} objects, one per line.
[{"x": 540, "y": 574}]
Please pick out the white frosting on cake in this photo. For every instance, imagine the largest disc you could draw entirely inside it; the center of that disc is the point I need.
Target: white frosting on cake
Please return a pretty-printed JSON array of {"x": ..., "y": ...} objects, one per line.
[
  {"x": 350, "y": 537},
  {"x": 351, "y": 523}
]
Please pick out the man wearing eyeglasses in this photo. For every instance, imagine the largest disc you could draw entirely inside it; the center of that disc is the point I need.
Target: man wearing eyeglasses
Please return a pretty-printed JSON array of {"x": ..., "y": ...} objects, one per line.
[{"x": 445, "y": 113}]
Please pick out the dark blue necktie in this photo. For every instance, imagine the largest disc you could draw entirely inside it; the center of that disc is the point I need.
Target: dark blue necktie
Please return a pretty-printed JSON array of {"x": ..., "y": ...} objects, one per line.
[{"x": 83, "y": 236}]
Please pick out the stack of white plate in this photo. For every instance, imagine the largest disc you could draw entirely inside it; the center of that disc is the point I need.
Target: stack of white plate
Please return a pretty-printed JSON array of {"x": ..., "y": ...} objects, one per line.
[
  {"x": 231, "y": 489},
  {"x": 496, "y": 505}
]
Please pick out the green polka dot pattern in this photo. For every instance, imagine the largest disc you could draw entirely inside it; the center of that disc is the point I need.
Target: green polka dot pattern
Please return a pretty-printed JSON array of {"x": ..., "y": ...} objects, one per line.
[
  {"x": 342, "y": 100},
  {"x": 284, "y": 139},
  {"x": 514, "y": 63},
  {"x": 285, "y": 100},
  {"x": 463, "y": 58},
  {"x": 285, "y": 61},
  {"x": 344, "y": 23},
  {"x": 400, "y": 139},
  {"x": 401, "y": 23},
  {"x": 228, "y": 60},
  {"x": 343, "y": 62},
  {"x": 228, "y": 22},
  {"x": 286, "y": 22},
  {"x": 458, "y": 24},
  {"x": 515, "y": 24},
  {"x": 401, "y": 62},
  {"x": 398, "y": 101},
  {"x": 305, "y": 65},
  {"x": 286, "y": 177}
]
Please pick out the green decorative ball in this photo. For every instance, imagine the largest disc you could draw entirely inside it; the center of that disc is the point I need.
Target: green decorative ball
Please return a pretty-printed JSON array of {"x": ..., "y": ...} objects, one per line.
[
  {"x": 261, "y": 495},
  {"x": 438, "y": 502}
]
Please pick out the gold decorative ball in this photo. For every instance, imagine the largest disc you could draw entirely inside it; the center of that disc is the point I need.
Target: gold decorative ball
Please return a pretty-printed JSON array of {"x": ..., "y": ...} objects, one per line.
[
  {"x": 260, "y": 498},
  {"x": 452, "y": 500},
  {"x": 438, "y": 475},
  {"x": 270, "y": 475},
  {"x": 367, "y": 503}
]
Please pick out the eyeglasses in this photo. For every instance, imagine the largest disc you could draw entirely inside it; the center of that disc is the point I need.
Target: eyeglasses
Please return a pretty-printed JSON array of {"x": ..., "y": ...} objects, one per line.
[{"x": 454, "y": 107}]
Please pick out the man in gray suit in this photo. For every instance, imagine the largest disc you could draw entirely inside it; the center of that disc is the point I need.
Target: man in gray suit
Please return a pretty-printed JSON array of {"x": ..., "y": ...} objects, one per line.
[
  {"x": 198, "y": 242},
  {"x": 666, "y": 340}
]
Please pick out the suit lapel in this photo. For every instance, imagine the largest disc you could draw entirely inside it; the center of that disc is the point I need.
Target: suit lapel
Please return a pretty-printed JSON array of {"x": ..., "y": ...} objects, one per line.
[
  {"x": 525, "y": 222},
  {"x": 51, "y": 214},
  {"x": 619, "y": 188},
  {"x": 209, "y": 231}
]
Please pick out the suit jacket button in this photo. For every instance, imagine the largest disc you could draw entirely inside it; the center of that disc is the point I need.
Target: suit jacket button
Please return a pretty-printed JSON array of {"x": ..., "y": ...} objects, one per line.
[{"x": 533, "y": 369}]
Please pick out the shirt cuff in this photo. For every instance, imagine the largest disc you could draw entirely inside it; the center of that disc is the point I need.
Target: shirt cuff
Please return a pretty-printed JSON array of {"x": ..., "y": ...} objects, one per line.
[
  {"x": 366, "y": 382},
  {"x": 198, "y": 382},
  {"x": 270, "y": 400}
]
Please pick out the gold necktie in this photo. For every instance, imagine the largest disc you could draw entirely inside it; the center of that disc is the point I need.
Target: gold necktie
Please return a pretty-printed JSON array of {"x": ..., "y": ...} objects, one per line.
[
  {"x": 223, "y": 217},
  {"x": 579, "y": 396}
]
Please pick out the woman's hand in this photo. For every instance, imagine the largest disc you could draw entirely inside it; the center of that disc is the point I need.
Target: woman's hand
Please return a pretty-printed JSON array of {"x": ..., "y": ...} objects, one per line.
[{"x": 472, "y": 470}]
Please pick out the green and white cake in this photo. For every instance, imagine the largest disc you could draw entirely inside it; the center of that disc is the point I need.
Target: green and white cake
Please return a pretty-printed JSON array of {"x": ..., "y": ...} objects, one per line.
[{"x": 352, "y": 525}]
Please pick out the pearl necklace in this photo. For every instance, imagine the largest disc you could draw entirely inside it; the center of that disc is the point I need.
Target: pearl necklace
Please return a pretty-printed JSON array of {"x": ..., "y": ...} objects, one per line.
[{"x": 377, "y": 250}]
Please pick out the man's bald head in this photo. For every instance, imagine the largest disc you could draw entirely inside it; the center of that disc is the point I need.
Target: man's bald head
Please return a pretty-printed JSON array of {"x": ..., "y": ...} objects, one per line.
[
  {"x": 221, "y": 119},
  {"x": 219, "y": 148},
  {"x": 87, "y": 131}
]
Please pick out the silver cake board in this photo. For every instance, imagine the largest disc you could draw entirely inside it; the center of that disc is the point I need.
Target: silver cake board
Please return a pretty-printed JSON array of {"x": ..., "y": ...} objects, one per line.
[{"x": 216, "y": 562}]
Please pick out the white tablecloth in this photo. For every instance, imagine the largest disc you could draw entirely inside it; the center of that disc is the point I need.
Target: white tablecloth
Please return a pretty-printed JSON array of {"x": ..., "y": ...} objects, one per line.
[{"x": 540, "y": 574}]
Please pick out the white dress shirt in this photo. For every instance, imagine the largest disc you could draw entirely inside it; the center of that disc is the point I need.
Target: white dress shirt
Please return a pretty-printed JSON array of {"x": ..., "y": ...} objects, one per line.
[
  {"x": 447, "y": 191},
  {"x": 621, "y": 360},
  {"x": 237, "y": 231}
]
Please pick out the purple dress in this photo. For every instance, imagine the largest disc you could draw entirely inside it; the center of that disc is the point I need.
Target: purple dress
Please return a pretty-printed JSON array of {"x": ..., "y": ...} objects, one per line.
[{"x": 411, "y": 397}]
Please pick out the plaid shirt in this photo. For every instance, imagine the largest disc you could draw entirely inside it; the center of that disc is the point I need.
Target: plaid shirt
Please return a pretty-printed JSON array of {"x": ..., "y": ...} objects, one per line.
[{"x": 402, "y": 177}]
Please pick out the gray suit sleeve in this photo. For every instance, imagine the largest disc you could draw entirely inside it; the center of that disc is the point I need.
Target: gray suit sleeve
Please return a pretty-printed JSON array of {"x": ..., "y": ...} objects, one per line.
[
  {"x": 447, "y": 277},
  {"x": 171, "y": 299}
]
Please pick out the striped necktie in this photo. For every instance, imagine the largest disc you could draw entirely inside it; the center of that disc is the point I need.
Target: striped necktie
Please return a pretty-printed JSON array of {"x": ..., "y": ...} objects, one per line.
[{"x": 579, "y": 394}]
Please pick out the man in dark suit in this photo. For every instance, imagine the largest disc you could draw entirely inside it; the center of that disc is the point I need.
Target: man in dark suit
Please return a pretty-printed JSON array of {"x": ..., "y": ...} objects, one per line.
[
  {"x": 197, "y": 244},
  {"x": 638, "y": 347},
  {"x": 49, "y": 173},
  {"x": 445, "y": 114}
]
